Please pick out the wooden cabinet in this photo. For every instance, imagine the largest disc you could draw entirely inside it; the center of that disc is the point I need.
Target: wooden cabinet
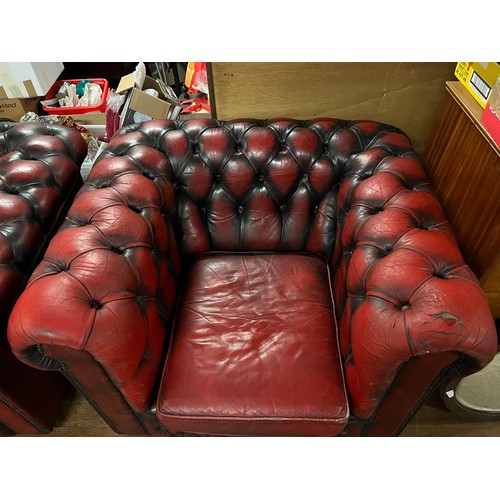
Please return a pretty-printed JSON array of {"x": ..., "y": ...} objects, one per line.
[{"x": 463, "y": 163}]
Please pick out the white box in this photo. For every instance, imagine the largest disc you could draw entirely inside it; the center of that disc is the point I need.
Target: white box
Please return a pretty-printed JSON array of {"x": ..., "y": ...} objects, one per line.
[
  {"x": 140, "y": 106},
  {"x": 27, "y": 79},
  {"x": 88, "y": 164}
]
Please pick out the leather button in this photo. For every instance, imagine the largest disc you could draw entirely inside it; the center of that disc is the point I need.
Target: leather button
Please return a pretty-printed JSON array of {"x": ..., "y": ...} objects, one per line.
[
  {"x": 240, "y": 209},
  {"x": 261, "y": 178},
  {"x": 218, "y": 178},
  {"x": 283, "y": 208}
]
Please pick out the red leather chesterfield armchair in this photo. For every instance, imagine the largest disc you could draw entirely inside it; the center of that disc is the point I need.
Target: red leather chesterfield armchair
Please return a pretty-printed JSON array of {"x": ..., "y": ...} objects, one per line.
[
  {"x": 255, "y": 278},
  {"x": 39, "y": 177}
]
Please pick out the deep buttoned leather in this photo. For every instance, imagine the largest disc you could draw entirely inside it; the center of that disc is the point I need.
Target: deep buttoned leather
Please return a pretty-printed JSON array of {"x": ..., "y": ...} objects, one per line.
[
  {"x": 39, "y": 167},
  {"x": 353, "y": 192},
  {"x": 39, "y": 176}
]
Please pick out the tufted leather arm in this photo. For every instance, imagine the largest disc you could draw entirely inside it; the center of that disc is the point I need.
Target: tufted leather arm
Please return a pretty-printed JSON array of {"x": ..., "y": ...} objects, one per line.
[
  {"x": 402, "y": 288},
  {"x": 354, "y": 192},
  {"x": 109, "y": 278},
  {"x": 39, "y": 172},
  {"x": 39, "y": 176}
]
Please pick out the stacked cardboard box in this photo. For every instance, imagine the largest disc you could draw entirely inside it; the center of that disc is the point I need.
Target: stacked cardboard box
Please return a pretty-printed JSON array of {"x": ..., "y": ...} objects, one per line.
[{"x": 22, "y": 84}]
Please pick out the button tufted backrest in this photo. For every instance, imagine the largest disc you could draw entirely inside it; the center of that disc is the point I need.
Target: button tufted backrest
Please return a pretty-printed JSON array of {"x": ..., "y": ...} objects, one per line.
[
  {"x": 252, "y": 185},
  {"x": 39, "y": 168}
]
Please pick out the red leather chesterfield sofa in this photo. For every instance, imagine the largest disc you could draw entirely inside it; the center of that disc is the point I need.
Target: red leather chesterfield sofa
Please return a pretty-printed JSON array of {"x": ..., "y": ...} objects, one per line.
[
  {"x": 255, "y": 278},
  {"x": 39, "y": 177}
]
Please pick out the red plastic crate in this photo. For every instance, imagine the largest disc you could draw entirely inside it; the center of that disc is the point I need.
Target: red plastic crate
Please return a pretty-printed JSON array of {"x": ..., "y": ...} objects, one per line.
[{"x": 76, "y": 110}]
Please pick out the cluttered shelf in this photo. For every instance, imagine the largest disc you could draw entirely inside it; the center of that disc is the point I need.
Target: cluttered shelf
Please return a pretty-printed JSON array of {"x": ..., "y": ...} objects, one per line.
[
  {"x": 77, "y": 96},
  {"x": 476, "y": 113}
]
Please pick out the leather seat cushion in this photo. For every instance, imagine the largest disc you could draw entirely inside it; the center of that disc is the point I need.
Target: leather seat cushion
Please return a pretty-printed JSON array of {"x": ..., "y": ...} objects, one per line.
[{"x": 254, "y": 349}]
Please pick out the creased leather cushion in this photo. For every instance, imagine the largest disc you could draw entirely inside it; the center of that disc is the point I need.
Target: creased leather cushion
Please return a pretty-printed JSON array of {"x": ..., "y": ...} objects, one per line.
[{"x": 254, "y": 349}]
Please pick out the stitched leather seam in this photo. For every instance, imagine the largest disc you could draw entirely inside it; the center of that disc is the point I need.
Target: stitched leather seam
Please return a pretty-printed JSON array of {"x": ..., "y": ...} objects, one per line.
[
  {"x": 340, "y": 419},
  {"x": 64, "y": 369},
  {"x": 22, "y": 415}
]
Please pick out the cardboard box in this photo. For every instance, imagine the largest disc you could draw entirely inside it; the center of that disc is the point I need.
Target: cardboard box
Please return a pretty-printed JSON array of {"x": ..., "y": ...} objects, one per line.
[
  {"x": 93, "y": 118},
  {"x": 140, "y": 106},
  {"x": 14, "y": 109},
  {"x": 491, "y": 114},
  {"x": 27, "y": 79},
  {"x": 478, "y": 78}
]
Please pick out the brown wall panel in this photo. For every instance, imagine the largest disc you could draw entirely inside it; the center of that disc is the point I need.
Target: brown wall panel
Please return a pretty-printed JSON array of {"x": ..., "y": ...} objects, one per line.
[{"x": 404, "y": 94}]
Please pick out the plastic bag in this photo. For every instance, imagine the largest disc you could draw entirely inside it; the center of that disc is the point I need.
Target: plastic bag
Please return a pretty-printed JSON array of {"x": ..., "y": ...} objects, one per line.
[
  {"x": 70, "y": 99},
  {"x": 92, "y": 95},
  {"x": 113, "y": 104},
  {"x": 69, "y": 94},
  {"x": 140, "y": 75},
  {"x": 196, "y": 78}
]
